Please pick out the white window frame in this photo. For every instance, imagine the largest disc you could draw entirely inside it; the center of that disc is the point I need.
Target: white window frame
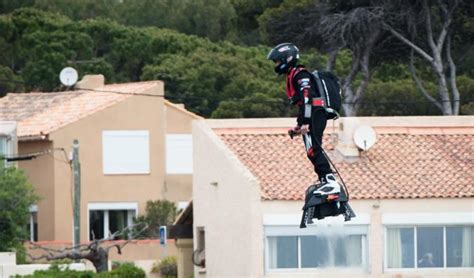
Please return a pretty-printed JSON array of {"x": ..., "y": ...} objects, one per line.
[
  {"x": 288, "y": 225},
  {"x": 176, "y": 164},
  {"x": 422, "y": 220},
  {"x": 109, "y": 164},
  {"x": 106, "y": 207}
]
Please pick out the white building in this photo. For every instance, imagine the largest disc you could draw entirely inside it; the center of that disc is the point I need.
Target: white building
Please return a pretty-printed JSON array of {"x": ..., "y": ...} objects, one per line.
[{"x": 413, "y": 193}]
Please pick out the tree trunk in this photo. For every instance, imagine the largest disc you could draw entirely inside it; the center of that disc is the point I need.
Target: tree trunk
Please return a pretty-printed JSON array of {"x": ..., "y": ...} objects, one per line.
[
  {"x": 100, "y": 259},
  {"x": 331, "y": 60},
  {"x": 443, "y": 92},
  {"x": 452, "y": 77},
  {"x": 361, "y": 63},
  {"x": 348, "y": 102}
]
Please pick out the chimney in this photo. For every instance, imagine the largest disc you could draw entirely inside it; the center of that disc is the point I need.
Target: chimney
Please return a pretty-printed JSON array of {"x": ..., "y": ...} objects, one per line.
[
  {"x": 345, "y": 144},
  {"x": 90, "y": 82}
]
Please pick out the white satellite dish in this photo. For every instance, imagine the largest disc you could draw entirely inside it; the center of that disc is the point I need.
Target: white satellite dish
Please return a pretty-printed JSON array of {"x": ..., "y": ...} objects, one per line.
[
  {"x": 68, "y": 76},
  {"x": 364, "y": 137}
]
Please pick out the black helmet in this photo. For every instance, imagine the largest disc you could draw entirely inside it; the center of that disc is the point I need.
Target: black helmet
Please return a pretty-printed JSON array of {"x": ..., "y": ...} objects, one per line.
[{"x": 287, "y": 54}]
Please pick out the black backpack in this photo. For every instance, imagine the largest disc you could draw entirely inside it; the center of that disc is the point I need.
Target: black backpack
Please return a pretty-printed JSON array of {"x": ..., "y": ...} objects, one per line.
[{"x": 330, "y": 89}]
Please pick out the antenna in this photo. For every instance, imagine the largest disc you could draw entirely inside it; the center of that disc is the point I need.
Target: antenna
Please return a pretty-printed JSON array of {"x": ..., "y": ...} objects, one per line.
[
  {"x": 68, "y": 76},
  {"x": 364, "y": 137}
]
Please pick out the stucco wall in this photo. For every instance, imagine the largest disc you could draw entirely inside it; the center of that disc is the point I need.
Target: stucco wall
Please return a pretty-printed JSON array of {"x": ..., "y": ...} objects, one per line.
[
  {"x": 178, "y": 187},
  {"x": 227, "y": 202},
  {"x": 178, "y": 120},
  {"x": 40, "y": 173}
]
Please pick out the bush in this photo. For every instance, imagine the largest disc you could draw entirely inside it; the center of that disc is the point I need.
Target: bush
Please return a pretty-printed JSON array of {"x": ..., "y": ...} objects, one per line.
[
  {"x": 56, "y": 271},
  {"x": 124, "y": 270},
  {"x": 168, "y": 267}
]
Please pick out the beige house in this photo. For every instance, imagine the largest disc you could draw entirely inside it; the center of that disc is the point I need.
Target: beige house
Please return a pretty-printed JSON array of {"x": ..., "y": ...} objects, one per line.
[
  {"x": 413, "y": 193},
  {"x": 134, "y": 146}
]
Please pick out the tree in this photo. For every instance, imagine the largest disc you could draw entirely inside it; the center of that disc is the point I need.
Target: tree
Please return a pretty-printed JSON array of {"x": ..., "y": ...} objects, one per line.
[
  {"x": 14, "y": 84},
  {"x": 246, "y": 25},
  {"x": 359, "y": 30},
  {"x": 16, "y": 197},
  {"x": 209, "y": 75},
  {"x": 96, "y": 251},
  {"x": 436, "y": 20}
]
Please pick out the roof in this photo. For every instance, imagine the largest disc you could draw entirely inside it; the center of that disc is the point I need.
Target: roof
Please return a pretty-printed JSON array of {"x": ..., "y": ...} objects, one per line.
[
  {"x": 406, "y": 161},
  {"x": 42, "y": 113},
  {"x": 180, "y": 108}
]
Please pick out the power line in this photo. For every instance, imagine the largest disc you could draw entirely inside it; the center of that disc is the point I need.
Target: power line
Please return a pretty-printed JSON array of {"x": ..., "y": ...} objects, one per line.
[{"x": 30, "y": 156}]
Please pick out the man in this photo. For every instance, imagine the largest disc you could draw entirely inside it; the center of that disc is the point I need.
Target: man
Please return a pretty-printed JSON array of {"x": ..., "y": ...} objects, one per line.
[
  {"x": 426, "y": 261},
  {"x": 302, "y": 92}
]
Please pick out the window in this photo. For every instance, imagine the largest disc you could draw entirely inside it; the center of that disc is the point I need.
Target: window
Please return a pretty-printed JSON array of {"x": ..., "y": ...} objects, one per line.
[
  {"x": 126, "y": 151},
  {"x": 107, "y": 218},
  {"x": 315, "y": 250},
  {"x": 179, "y": 154},
  {"x": 5, "y": 149},
  {"x": 33, "y": 225},
  {"x": 199, "y": 255},
  {"x": 430, "y": 246},
  {"x": 3, "y": 146}
]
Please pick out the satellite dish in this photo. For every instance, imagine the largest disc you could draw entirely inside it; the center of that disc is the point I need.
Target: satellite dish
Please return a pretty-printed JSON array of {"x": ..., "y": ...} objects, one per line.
[
  {"x": 68, "y": 76},
  {"x": 364, "y": 137}
]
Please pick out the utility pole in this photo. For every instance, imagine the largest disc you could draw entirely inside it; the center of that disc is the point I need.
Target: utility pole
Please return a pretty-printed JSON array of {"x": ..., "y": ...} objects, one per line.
[{"x": 77, "y": 194}]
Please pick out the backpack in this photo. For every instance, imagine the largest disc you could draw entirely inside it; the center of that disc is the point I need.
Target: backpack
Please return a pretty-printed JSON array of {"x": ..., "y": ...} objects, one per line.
[{"x": 330, "y": 90}]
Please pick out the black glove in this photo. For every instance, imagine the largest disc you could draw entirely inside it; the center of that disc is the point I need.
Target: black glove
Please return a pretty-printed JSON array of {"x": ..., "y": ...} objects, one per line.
[{"x": 294, "y": 131}]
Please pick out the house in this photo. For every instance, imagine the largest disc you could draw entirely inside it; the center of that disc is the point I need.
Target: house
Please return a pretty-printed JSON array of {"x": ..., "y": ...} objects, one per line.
[
  {"x": 134, "y": 146},
  {"x": 413, "y": 193}
]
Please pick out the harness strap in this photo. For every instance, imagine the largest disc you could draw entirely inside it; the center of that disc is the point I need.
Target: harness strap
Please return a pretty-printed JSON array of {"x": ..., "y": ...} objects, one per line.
[{"x": 290, "y": 89}]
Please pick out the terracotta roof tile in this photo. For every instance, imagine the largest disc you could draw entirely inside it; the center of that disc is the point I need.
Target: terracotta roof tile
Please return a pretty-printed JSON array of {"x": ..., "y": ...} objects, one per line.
[
  {"x": 42, "y": 113},
  {"x": 397, "y": 166}
]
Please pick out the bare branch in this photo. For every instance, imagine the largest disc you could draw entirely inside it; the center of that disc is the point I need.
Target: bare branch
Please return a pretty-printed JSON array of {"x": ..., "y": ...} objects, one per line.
[
  {"x": 409, "y": 43},
  {"x": 419, "y": 84},
  {"x": 124, "y": 231}
]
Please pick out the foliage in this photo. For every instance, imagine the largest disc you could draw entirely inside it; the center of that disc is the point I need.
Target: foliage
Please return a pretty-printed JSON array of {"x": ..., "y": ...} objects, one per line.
[
  {"x": 16, "y": 197},
  {"x": 14, "y": 86},
  {"x": 211, "y": 18},
  {"x": 205, "y": 78},
  {"x": 395, "y": 97},
  {"x": 466, "y": 89},
  {"x": 157, "y": 213},
  {"x": 167, "y": 268},
  {"x": 213, "y": 78},
  {"x": 57, "y": 271},
  {"x": 125, "y": 270},
  {"x": 196, "y": 71}
]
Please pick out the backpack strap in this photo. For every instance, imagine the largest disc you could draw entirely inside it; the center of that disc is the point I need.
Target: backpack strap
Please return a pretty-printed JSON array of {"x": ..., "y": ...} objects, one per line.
[
  {"x": 323, "y": 93},
  {"x": 290, "y": 89}
]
